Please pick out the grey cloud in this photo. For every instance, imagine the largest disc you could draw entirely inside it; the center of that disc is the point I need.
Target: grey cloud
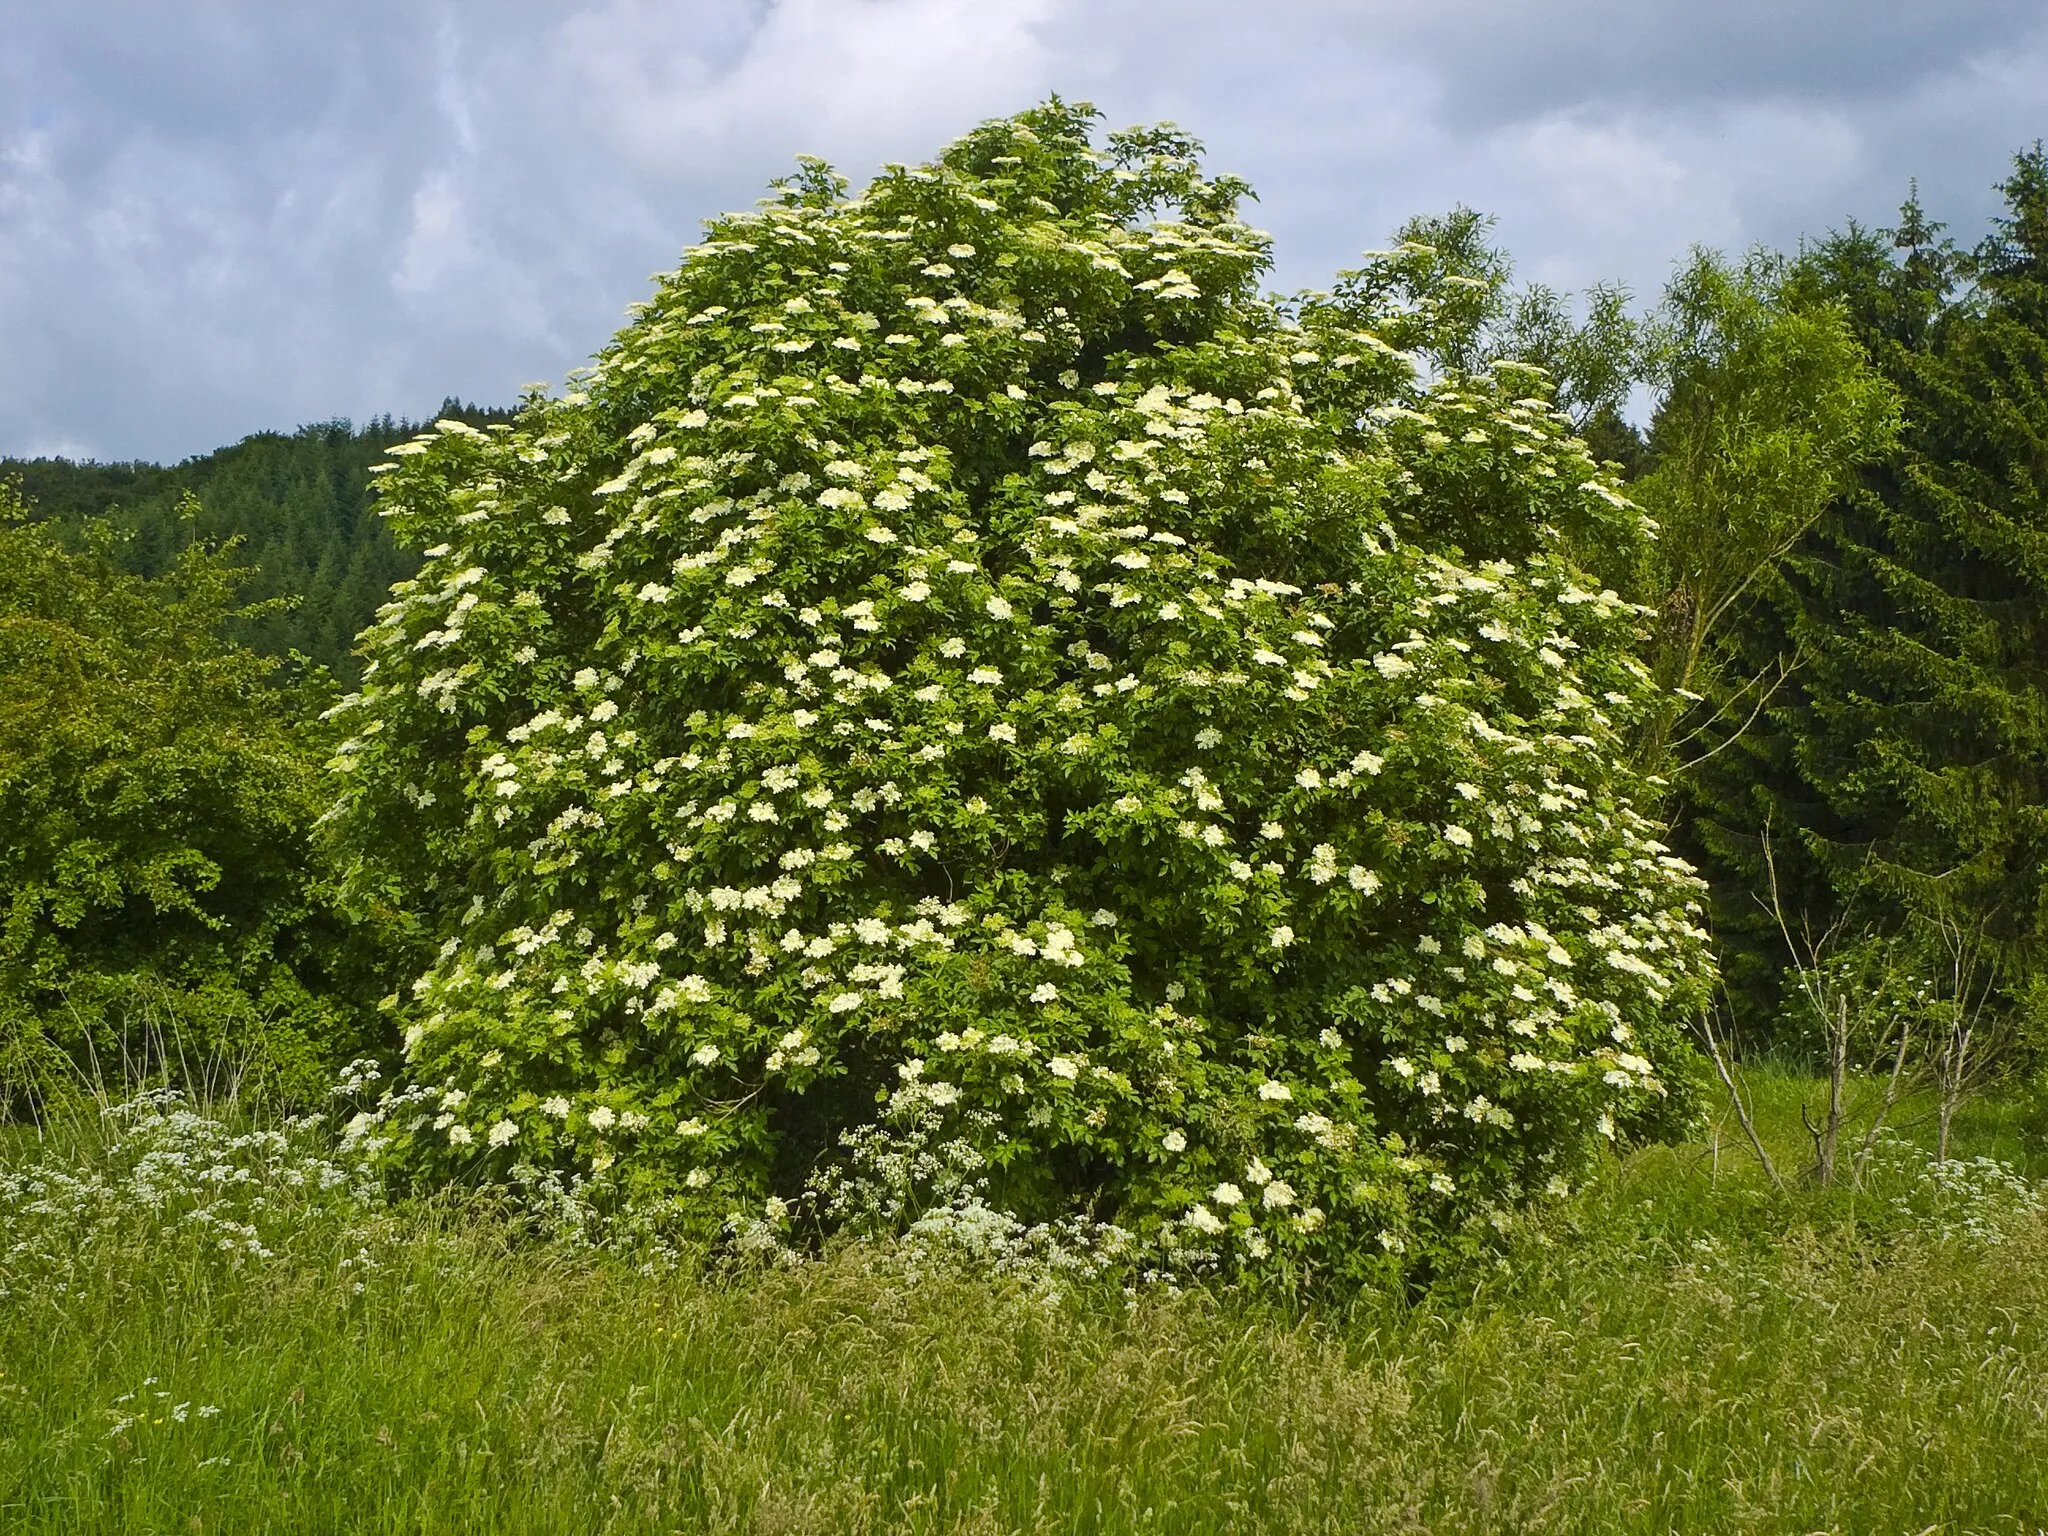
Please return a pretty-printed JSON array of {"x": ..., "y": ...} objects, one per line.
[
  {"x": 217, "y": 217},
  {"x": 1515, "y": 60},
  {"x": 1608, "y": 135}
]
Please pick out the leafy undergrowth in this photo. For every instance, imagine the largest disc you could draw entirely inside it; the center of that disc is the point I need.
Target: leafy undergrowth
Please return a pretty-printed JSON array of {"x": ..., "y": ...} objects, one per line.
[{"x": 211, "y": 1331}]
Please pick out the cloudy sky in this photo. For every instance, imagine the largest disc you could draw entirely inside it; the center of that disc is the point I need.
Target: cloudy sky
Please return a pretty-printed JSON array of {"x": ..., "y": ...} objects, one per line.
[{"x": 221, "y": 216}]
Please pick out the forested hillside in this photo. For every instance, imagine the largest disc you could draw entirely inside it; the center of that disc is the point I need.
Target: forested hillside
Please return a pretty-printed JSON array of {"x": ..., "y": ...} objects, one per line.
[{"x": 298, "y": 503}]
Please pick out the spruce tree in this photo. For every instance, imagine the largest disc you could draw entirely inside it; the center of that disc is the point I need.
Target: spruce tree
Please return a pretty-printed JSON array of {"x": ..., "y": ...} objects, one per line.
[{"x": 1903, "y": 768}]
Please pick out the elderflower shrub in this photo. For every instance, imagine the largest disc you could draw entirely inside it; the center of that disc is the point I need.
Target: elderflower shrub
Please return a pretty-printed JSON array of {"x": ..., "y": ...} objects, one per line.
[{"x": 961, "y": 647}]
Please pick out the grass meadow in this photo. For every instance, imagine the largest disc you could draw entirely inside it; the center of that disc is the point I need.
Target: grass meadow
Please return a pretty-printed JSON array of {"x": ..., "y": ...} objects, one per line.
[{"x": 1679, "y": 1348}]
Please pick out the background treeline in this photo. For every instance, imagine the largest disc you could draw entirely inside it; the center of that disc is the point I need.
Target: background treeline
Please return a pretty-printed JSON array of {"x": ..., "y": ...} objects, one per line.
[
  {"x": 165, "y": 900},
  {"x": 1868, "y": 785},
  {"x": 1845, "y": 446},
  {"x": 297, "y": 505}
]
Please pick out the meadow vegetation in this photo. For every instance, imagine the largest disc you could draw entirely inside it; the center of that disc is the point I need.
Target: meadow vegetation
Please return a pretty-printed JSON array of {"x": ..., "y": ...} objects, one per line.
[{"x": 1677, "y": 1347}]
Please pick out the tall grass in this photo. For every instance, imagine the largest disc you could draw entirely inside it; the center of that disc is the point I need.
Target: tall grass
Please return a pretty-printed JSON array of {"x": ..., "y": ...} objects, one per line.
[{"x": 1680, "y": 1348}]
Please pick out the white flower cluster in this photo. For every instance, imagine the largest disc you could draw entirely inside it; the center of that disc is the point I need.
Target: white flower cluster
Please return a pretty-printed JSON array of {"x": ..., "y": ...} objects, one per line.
[{"x": 174, "y": 1170}]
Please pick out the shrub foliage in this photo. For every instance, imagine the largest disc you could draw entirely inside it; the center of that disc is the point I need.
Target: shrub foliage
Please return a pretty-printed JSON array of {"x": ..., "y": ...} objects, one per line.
[
  {"x": 163, "y": 898},
  {"x": 963, "y": 652}
]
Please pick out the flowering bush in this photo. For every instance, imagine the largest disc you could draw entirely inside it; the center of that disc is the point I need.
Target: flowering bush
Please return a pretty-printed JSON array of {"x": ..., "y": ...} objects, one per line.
[{"x": 962, "y": 649}]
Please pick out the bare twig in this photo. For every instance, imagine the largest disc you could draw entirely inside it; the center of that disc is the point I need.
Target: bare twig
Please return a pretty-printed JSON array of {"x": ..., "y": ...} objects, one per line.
[{"x": 1724, "y": 1065}]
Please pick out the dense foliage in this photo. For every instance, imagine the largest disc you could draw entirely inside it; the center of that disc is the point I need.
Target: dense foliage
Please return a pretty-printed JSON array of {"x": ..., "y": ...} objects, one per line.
[
  {"x": 162, "y": 893},
  {"x": 963, "y": 657},
  {"x": 1769, "y": 411}
]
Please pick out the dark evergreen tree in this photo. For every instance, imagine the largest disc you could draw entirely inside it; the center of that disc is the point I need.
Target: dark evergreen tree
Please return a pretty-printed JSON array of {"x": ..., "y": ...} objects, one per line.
[{"x": 1904, "y": 767}]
